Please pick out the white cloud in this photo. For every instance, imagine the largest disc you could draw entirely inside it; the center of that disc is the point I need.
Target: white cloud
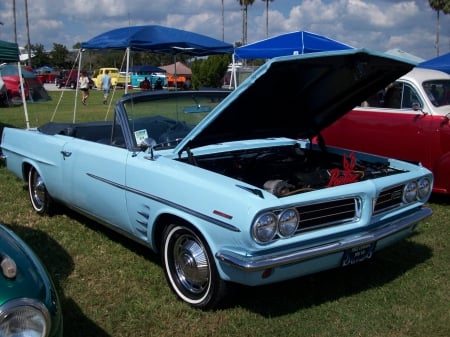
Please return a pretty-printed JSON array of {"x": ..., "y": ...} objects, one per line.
[{"x": 377, "y": 24}]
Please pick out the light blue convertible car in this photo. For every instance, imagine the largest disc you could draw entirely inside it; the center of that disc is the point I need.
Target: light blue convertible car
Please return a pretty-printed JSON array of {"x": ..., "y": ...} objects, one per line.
[{"x": 228, "y": 187}]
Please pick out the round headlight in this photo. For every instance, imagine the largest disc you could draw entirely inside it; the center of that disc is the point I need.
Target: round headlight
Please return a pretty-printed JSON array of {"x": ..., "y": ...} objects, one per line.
[
  {"x": 424, "y": 188},
  {"x": 410, "y": 192},
  {"x": 265, "y": 227},
  {"x": 24, "y": 317},
  {"x": 288, "y": 222}
]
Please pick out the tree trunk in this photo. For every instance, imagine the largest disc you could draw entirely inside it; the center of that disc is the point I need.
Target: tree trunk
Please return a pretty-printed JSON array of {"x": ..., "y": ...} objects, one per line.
[
  {"x": 28, "y": 32},
  {"x": 15, "y": 23},
  {"x": 223, "y": 22},
  {"x": 438, "y": 25},
  {"x": 245, "y": 24}
]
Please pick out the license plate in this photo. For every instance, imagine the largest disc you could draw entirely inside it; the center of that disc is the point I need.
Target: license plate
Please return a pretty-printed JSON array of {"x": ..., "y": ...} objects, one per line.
[{"x": 358, "y": 254}]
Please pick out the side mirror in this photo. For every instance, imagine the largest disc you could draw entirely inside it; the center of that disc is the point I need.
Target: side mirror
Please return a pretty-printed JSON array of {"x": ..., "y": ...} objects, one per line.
[
  {"x": 416, "y": 106},
  {"x": 148, "y": 143}
]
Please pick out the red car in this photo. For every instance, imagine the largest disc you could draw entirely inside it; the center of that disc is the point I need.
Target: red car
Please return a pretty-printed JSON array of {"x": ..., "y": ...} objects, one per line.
[{"x": 408, "y": 120}]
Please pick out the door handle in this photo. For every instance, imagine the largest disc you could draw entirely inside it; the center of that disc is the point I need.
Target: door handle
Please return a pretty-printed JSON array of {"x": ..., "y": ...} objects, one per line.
[{"x": 66, "y": 154}]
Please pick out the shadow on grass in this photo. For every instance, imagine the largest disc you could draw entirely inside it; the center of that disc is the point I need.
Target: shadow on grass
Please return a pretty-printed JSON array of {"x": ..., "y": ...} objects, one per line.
[
  {"x": 59, "y": 265},
  {"x": 441, "y": 199},
  {"x": 309, "y": 291}
]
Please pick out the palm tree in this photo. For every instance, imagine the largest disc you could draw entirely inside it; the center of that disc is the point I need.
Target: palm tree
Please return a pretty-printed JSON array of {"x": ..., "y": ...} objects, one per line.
[
  {"x": 28, "y": 32},
  {"x": 267, "y": 16},
  {"x": 439, "y": 5},
  {"x": 244, "y": 6},
  {"x": 223, "y": 22},
  {"x": 15, "y": 23}
]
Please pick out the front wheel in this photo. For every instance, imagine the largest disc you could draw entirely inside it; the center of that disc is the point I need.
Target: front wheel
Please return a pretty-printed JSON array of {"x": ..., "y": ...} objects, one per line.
[
  {"x": 190, "y": 269},
  {"x": 39, "y": 197}
]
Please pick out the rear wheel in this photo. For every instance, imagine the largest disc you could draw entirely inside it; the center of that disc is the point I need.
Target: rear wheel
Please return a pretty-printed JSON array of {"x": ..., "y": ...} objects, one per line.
[
  {"x": 190, "y": 269},
  {"x": 39, "y": 197}
]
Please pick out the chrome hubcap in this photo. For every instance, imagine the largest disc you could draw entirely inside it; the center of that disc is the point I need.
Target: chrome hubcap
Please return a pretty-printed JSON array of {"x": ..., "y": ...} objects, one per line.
[
  {"x": 38, "y": 190},
  {"x": 191, "y": 264}
]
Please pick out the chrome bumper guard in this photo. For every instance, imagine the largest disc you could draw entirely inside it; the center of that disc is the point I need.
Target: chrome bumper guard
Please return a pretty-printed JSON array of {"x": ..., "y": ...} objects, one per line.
[
  {"x": 256, "y": 263},
  {"x": 2, "y": 159}
]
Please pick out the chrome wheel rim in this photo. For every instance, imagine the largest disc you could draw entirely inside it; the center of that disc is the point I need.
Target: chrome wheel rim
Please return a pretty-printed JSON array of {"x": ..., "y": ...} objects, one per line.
[
  {"x": 38, "y": 191},
  {"x": 191, "y": 264}
]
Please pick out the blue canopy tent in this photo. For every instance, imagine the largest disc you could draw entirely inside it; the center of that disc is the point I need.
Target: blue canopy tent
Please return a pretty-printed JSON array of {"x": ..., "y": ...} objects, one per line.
[
  {"x": 158, "y": 39},
  {"x": 299, "y": 42},
  {"x": 441, "y": 63},
  {"x": 155, "y": 39}
]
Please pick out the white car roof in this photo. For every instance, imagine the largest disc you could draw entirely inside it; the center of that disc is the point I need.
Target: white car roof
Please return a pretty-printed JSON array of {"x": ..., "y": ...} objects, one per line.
[{"x": 423, "y": 74}]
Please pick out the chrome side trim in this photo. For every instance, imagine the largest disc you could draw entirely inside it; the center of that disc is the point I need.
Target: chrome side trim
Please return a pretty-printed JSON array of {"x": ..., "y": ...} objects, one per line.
[
  {"x": 255, "y": 263},
  {"x": 167, "y": 202}
]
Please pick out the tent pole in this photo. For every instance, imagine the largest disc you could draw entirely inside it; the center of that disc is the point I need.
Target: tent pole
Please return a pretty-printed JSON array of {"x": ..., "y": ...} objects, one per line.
[
  {"x": 233, "y": 73},
  {"x": 25, "y": 108},
  {"x": 127, "y": 69},
  {"x": 76, "y": 89},
  {"x": 175, "y": 70}
]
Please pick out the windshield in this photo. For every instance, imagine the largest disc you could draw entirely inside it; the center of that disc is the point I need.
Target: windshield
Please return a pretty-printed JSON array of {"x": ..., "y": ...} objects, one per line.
[
  {"x": 166, "y": 118},
  {"x": 438, "y": 91}
]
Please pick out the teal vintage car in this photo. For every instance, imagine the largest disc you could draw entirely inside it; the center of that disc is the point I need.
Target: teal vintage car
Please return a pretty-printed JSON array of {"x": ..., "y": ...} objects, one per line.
[
  {"x": 228, "y": 187},
  {"x": 152, "y": 73},
  {"x": 29, "y": 303}
]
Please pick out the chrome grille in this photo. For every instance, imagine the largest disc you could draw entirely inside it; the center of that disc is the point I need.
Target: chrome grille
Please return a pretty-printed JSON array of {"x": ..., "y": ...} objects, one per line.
[
  {"x": 389, "y": 199},
  {"x": 328, "y": 213}
]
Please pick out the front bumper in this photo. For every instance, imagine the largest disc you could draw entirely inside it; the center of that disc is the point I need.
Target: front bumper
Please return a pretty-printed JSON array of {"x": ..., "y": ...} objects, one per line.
[
  {"x": 2, "y": 159},
  {"x": 388, "y": 233}
]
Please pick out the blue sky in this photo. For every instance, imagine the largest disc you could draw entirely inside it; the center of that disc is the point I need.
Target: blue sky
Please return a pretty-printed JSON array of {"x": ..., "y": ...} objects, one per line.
[{"x": 375, "y": 24}]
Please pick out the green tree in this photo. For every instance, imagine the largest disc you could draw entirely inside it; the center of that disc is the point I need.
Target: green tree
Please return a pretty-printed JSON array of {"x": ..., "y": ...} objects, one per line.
[
  {"x": 209, "y": 72},
  {"x": 267, "y": 16},
  {"x": 244, "y": 7},
  {"x": 438, "y": 6},
  {"x": 40, "y": 58},
  {"x": 59, "y": 55}
]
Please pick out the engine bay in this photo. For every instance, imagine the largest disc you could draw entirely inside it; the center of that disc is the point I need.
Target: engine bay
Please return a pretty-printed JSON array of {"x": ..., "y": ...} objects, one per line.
[{"x": 289, "y": 170}]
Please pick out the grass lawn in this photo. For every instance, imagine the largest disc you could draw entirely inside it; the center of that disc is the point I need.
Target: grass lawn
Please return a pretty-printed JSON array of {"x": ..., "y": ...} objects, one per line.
[{"x": 111, "y": 286}]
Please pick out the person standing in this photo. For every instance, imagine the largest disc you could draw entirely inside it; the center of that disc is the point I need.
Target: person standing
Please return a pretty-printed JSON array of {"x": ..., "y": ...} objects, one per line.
[
  {"x": 145, "y": 84},
  {"x": 84, "y": 86},
  {"x": 158, "y": 84},
  {"x": 106, "y": 86}
]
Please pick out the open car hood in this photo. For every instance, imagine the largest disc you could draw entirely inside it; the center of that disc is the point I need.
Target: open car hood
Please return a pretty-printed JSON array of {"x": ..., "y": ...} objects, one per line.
[{"x": 297, "y": 96}]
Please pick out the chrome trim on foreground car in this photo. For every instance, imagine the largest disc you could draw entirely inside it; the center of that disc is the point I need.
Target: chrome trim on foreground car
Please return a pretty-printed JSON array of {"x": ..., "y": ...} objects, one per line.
[{"x": 257, "y": 263}]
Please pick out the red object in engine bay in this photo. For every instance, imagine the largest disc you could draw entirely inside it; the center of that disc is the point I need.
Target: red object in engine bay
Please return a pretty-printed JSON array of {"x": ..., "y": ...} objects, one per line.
[{"x": 346, "y": 176}]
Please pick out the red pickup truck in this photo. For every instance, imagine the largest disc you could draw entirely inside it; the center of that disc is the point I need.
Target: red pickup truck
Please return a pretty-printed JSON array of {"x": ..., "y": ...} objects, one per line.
[
  {"x": 409, "y": 120},
  {"x": 47, "y": 77}
]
